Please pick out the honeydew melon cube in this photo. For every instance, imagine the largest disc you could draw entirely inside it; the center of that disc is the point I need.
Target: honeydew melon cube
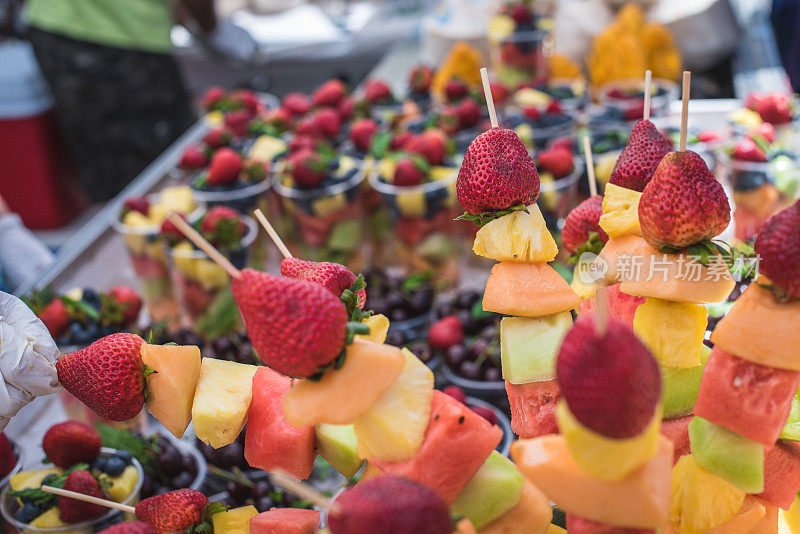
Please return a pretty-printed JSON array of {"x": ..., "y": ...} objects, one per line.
[
  {"x": 728, "y": 455},
  {"x": 491, "y": 492},
  {"x": 529, "y": 346}
]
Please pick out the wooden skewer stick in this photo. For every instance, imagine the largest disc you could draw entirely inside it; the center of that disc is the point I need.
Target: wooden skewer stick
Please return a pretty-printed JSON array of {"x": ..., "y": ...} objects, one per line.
[
  {"x": 272, "y": 233},
  {"x": 587, "y": 150},
  {"x": 601, "y": 313},
  {"x": 88, "y": 498},
  {"x": 195, "y": 237},
  {"x": 648, "y": 78},
  {"x": 487, "y": 92},
  {"x": 687, "y": 83},
  {"x": 304, "y": 491}
]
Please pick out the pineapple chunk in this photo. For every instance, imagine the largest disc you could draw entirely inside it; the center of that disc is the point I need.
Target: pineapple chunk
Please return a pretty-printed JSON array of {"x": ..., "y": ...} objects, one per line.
[
  {"x": 393, "y": 428},
  {"x": 221, "y": 400},
  {"x": 518, "y": 236},
  {"x": 620, "y": 211},
  {"x": 584, "y": 289},
  {"x": 210, "y": 275},
  {"x": 673, "y": 331},
  {"x": 378, "y": 327},
  {"x": 51, "y": 519},
  {"x": 234, "y": 521},
  {"x": 32, "y": 478},
  {"x": 791, "y": 517},
  {"x": 700, "y": 500},
  {"x": 122, "y": 486}
]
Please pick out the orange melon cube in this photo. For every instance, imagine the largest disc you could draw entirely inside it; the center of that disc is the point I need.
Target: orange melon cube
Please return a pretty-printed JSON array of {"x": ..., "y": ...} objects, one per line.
[
  {"x": 171, "y": 388},
  {"x": 532, "y": 510},
  {"x": 527, "y": 290},
  {"x": 341, "y": 395},
  {"x": 762, "y": 330},
  {"x": 616, "y": 247},
  {"x": 285, "y": 521},
  {"x": 640, "y": 500}
]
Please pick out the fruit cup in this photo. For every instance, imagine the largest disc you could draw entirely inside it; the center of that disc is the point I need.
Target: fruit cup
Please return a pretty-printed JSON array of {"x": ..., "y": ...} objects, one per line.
[
  {"x": 624, "y": 99},
  {"x": 521, "y": 55},
  {"x": 557, "y": 196},
  {"x": 241, "y": 196}
]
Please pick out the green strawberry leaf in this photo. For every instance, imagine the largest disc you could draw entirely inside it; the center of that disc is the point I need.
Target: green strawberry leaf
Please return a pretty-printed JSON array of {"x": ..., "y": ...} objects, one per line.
[
  {"x": 380, "y": 144},
  {"x": 81, "y": 308},
  {"x": 416, "y": 281},
  {"x": 477, "y": 312},
  {"x": 486, "y": 217},
  {"x": 144, "y": 449},
  {"x": 593, "y": 244}
]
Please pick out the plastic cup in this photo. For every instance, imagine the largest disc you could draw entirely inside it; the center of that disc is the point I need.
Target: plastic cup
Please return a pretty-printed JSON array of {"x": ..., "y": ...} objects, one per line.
[
  {"x": 243, "y": 199},
  {"x": 559, "y": 196},
  {"x": 632, "y": 108},
  {"x": 521, "y": 54},
  {"x": 19, "y": 454}
]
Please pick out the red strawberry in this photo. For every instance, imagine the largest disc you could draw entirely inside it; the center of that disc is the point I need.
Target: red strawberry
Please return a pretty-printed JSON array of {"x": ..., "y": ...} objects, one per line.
[
  {"x": 129, "y": 527},
  {"x": 420, "y": 79},
  {"x": 532, "y": 114},
  {"x": 778, "y": 246},
  {"x": 223, "y": 227},
  {"x": 127, "y": 300},
  {"x": 193, "y": 158},
  {"x": 448, "y": 120},
  {"x": 55, "y": 317},
  {"x": 775, "y": 108},
  {"x": 213, "y": 97},
  {"x": 753, "y": 100},
  {"x": 254, "y": 170},
  {"x": 611, "y": 383},
  {"x": 107, "y": 376},
  {"x": 640, "y": 157},
  {"x": 300, "y": 142},
  {"x": 469, "y": 113},
  {"x": 218, "y": 137},
  {"x": 308, "y": 126},
  {"x": 765, "y": 131},
  {"x": 174, "y": 511},
  {"x": 7, "y": 458},
  {"x": 445, "y": 333},
  {"x": 296, "y": 103},
  {"x": 747, "y": 150},
  {"x": 497, "y": 173},
  {"x": 72, "y": 510},
  {"x": 377, "y": 91},
  {"x": 248, "y": 100},
  {"x": 308, "y": 169},
  {"x": 485, "y": 412},
  {"x": 455, "y": 90},
  {"x": 407, "y": 173},
  {"x": 500, "y": 92},
  {"x": 140, "y": 204},
  {"x": 346, "y": 107},
  {"x": 170, "y": 231},
  {"x": 332, "y": 276},
  {"x": 557, "y": 161},
  {"x": 237, "y": 121},
  {"x": 521, "y": 14},
  {"x": 708, "y": 136},
  {"x": 329, "y": 93},
  {"x": 401, "y": 139},
  {"x": 554, "y": 106},
  {"x": 683, "y": 204},
  {"x": 584, "y": 218},
  {"x": 562, "y": 143},
  {"x": 71, "y": 442},
  {"x": 328, "y": 122},
  {"x": 430, "y": 144},
  {"x": 225, "y": 167},
  {"x": 456, "y": 392},
  {"x": 280, "y": 118},
  {"x": 361, "y": 133},
  {"x": 295, "y": 326}
]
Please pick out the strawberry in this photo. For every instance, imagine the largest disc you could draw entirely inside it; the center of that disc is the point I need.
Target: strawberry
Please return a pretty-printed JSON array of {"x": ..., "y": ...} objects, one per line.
[
  {"x": 328, "y": 122},
  {"x": 420, "y": 79},
  {"x": 532, "y": 114},
  {"x": 775, "y": 108},
  {"x": 611, "y": 382},
  {"x": 171, "y": 232},
  {"x": 346, "y": 107},
  {"x": 296, "y": 103},
  {"x": 332, "y": 276},
  {"x": 140, "y": 204},
  {"x": 225, "y": 167},
  {"x": 469, "y": 113},
  {"x": 296, "y": 327},
  {"x": 562, "y": 143},
  {"x": 430, "y": 144},
  {"x": 213, "y": 97},
  {"x": 308, "y": 126},
  {"x": 280, "y": 118},
  {"x": 218, "y": 137},
  {"x": 223, "y": 227},
  {"x": 554, "y": 107},
  {"x": 71, "y": 442},
  {"x": 248, "y": 100},
  {"x": 582, "y": 220},
  {"x": 361, "y": 133},
  {"x": 237, "y": 121},
  {"x": 129, "y": 527},
  {"x": 72, "y": 510},
  {"x": 445, "y": 333},
  {"x": 55, "y": 317},
  {"x": 747, "y": 150},
  {"x": 329, "y": 93},
  {"x": 448, "y": 120},
  {"x": 401, "y": 139},
  {"x": 485, "y": 412},
  {"x": 254, "y": 170},
  {"x": 407, "y": 173},
  {"x": 456, "y": 392},
  {"x": 640, "y": 157},
  {"x": 124, "y": 300},
  {"x": 708, "y": 136},
  {"x": 500, "y": 92},
  {"x": 107, "y": 376},
  {"x": 300, "y": 142},
  {"x": 765, "y": 131},
  {"x": 521, "y": 14},
  {"x": 377, "y": 91},
  {"x": 308, "y": 169},
  {"x": 753, "y": 100},
  {"x": 7, "y": 457},
  {"x": 497, "y": 173},
  {"x": 455, "y": 90},
  {"x": 557, "y": 161},
  {"x": 174, "y": 511},
  {"x": 193, "y": 158},
  {"x": 778, "y": 247},
  {"x": 683, "y": 203}
]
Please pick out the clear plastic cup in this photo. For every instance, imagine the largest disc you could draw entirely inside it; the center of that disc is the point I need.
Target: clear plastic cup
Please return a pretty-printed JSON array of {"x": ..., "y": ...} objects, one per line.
[
  {"x": 19, "y": 454},
  {"x": 559, "y": 196},
  {"x": 524, "y": 53},
  {"x": 243, "y": 199},
  {"x": 632, "y": 108}
]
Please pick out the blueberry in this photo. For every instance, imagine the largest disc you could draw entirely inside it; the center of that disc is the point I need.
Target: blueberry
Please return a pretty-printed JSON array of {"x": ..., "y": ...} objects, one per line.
[
  {"x": 91, "y": 297},
  {"x": 99, "y": 464},
  {"x": 28, "y": 513},
  {"x": 49, "y": 478},
  {"x": 124, "y": 455},
  {"x": 114, "y": 466},
  {"x": 333, "y": 164}
]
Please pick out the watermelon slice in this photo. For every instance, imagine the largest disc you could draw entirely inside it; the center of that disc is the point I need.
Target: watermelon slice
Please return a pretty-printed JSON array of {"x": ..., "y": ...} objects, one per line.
[
  {"x": 750, "y": 399},
  {"x": 457, "y": 443},
  {"x": 533, "y": 408},
  {"x": 620, "y": 305},
  {"x": 270, "y": 442},
  {"x": 285, "y": 521},
  {"x": 580, "y": 525},
  {"x": 781, "y": 473},
  {"x": 677, "y": 431}
]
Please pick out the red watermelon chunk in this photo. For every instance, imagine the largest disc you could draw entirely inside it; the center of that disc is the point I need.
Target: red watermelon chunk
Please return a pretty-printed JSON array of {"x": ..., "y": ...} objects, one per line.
[
  {"x": 677, "y": 431},
  {"x": 580, "y": 525},
  {"x": 781, "y": 473},
  {"x": 620, "y": 305},
  {"x": 533, "y": 408},
  {"x": 747, "y": 398},
  {"x": 285, "y": 521},
  {"x": 456, "y": 444},
  {"x": 270, "y": 442}
]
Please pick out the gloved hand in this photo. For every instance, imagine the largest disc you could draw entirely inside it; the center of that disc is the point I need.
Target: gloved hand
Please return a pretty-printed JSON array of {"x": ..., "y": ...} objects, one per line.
[{"x": 27, "y": 358}]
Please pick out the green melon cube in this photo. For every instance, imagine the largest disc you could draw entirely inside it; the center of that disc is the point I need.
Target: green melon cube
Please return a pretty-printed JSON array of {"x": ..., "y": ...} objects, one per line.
[
  {"x": 491, "y": 492},
  {"x": 529, "y": 346},
  {"x": 791, "y": 430},
  {"x": 728, "y": 455},
  {"x": 680, "y": 387},
  {"x": 337, "y": 445}
]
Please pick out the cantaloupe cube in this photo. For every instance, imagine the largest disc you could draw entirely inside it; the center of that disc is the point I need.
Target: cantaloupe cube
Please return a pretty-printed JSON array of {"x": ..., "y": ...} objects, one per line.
[
  {"x": 532, "y": 510},
  {"x": 581, "y": 525},
  {"x": 529, "y": 346},
  {"x": 620, "y": 211},
  {"x": 341, "y": 395},
  {"x": 221, "y": 400},
  {"x": 641, "y": 500},
  {"x": 285, "y": 521},
  {"x": 527, "y": 290},
  {"x": 616, "y": 254},
  {"x": 235, "y": 520},
  {"x": 518, "y": 236},
  {"x": 171, "y": 388},
  {"x": 762, "y": 330},
  {"x": 673, "y": 331}
]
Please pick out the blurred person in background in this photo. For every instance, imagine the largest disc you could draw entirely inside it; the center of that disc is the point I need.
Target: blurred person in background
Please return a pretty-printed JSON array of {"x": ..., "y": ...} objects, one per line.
[
  {"x": 119, "y": 94},
  {"x": 21, "y": 253},
  {"x": 785, "y": 17}
]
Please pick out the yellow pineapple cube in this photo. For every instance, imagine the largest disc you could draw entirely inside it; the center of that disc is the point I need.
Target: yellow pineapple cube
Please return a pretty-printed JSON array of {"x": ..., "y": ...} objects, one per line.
[
  {"x": 234, "y": 521},
  {"x": 393, "y": 428},
  {"x": 51, "y": 519},
  {"x": 221, "y": 400},
  {"x": 121, "y": 486},
  {"x": 210, "y": 275},
  {"x": 620, "y": 211},
  {"x": 518, "y": 236},
  {"x": 378, "y": 327},
  {"x": 32, "y": 478},
  {"x": 411, "y": 203},
  {"x": 791, "y": 517},
  {"x": 673, "y": 331},
  {"x": 700, "y": 500}
]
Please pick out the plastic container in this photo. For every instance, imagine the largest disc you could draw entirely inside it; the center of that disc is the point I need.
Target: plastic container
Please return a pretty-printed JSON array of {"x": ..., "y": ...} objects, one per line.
[
  {"x": 19, "y": 453},
  {"x": 491, "y": 392},
  {"x": 558, "y": 197},
  {"x": 243, "y": 199},
  {"x": 632, "y": 108},
  {"x": 525, "y": 53}
]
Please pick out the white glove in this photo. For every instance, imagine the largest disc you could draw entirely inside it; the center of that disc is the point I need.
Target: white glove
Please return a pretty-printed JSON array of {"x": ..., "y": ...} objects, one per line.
[
  {"x": 232, "y": 41},
  {"x": 27, "y": 358}
]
